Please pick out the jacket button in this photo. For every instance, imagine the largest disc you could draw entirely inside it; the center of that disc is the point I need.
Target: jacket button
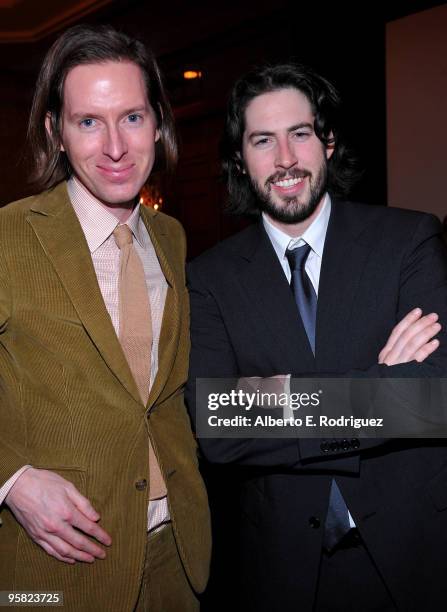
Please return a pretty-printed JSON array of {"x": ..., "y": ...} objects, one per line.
[
  {"x": 345, "y": 444},
  {"x": 355, "y": 443},
  {"x": 140, "y": 485},
  {"x": 324, "y": 447},
  {"x": 334, "y": 446},
  {"x": 314, "y": 522}
]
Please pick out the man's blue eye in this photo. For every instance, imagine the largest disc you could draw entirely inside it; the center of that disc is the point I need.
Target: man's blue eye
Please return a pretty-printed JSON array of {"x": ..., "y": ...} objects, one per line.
[
  {"x": 88, "y": 122},
  {"x": 134, "y": 118}
]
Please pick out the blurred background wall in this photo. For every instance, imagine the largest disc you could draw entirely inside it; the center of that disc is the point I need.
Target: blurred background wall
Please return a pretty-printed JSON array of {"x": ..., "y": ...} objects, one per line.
[
  {"x": 389, "y": 64},
  {"x": 416, "y": 80}
]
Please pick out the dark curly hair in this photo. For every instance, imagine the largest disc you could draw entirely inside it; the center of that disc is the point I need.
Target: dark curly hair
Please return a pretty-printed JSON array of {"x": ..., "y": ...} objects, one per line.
[
  {"x": 84, "y": 44},
  {"x": 325, "y": 104}
]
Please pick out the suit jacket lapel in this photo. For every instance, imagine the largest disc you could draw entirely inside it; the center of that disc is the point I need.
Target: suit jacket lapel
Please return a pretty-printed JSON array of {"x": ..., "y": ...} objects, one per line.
[
  {"x": 56, "y": 226},
  {"x": 273, "y": 302},
  {"x": 171, "y": 316},
  {"x": 345, "y": 254}
]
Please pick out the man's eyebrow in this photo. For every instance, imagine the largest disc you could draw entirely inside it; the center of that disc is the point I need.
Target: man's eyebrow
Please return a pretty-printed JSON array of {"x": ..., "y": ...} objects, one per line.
[
  {"x": 293, "y": 128},
  {"x": 82, "y": 115},
  {"x": 300, "y": 126},
  {"x": 136, "y": 109}
]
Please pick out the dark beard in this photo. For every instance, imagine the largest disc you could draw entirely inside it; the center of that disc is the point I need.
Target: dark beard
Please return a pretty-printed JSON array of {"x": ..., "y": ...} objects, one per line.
[{"x": 292, "y": 210}]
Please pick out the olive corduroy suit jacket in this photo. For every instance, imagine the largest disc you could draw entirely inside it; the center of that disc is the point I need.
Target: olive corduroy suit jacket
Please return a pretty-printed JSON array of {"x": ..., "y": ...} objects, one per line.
[{"x": 69, "y": 403}]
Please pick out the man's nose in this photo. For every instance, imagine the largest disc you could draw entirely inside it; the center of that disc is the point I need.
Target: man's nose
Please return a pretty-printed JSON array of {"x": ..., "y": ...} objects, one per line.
[
  {"x": 285, "y": 154},
  {"x": 115, "y": 144}
]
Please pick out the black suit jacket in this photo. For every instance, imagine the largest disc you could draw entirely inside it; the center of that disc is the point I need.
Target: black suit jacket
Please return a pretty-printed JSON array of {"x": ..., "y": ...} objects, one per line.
[{"x": 378, "y": 264}]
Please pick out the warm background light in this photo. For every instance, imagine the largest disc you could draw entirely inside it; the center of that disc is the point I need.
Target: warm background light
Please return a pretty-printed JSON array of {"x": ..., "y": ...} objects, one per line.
[
  {"x": 192, "y": 74},
  {"x": 150, "y": 196}
]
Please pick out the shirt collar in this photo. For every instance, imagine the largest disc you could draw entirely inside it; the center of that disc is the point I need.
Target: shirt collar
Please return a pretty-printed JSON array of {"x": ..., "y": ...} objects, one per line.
[
  {"x": 96, "y": 221},
  {"x": 314, "y": 235}
]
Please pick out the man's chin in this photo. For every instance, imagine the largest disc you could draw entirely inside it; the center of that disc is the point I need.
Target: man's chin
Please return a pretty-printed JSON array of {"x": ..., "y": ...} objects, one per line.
[
  {"x": 288, "y": 212},
  {"x": 119, "y": 198}
]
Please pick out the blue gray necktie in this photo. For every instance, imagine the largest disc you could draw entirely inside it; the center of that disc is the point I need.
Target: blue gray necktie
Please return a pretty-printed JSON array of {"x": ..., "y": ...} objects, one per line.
[
  {"x": 337, "y": 520},
  {"x": 302, "y": 288}
]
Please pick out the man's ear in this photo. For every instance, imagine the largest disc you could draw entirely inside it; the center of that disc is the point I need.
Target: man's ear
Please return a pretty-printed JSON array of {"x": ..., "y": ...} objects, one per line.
[
  {"x": 49, "y": 128},
  {"x": 330, "y": 147}
]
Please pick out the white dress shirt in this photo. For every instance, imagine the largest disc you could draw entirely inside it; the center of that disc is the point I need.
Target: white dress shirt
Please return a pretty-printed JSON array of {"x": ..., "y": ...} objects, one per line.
[{"x": 314, "y": 236}]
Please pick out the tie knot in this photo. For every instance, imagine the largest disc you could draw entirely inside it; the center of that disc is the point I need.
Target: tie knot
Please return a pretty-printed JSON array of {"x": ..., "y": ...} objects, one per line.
[
  {"x": 122, "y": 235},
  {"x": 297, "y": 257}
]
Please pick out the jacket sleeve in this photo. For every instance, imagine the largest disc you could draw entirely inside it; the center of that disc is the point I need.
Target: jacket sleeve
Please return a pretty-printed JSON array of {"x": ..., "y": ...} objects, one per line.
[
  {"x": 12, "y": 430},
  {"x": 423, "y": 284}
]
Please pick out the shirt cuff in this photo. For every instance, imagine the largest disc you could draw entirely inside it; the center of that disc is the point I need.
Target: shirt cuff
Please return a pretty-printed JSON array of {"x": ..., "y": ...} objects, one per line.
[{"x": 5, "y": 489}]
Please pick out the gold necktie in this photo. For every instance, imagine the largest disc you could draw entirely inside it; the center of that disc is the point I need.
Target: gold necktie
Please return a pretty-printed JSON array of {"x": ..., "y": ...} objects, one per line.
[{"x": 135, "y": 333}]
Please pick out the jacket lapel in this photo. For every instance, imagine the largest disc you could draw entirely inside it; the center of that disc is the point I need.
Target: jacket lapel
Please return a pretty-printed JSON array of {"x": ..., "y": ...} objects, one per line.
[
  {"x": 170, "y": 327},
  {"x": 58, "y": 230},
  {"x": 273, "y": 303},
  {"x": 345, "y": 254}
]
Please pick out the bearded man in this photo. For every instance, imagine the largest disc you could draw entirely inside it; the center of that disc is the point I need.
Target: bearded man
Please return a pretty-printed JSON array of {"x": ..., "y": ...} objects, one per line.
[{"x": 320, "y": 287}]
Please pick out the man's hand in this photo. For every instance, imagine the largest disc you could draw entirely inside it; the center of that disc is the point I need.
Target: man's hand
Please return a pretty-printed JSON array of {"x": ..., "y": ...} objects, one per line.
[
  {"x": 411, "y": 339},
  {"x": 56, "y": 516}
]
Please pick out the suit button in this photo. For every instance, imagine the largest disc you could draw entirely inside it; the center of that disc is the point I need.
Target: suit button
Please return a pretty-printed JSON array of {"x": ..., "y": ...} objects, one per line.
[
  {"x": 355, "y": 443},
  {"x": 345, "y": 444},
  {"x": 334, "y": 446},
  {"x": 140, "y": 485},
  {"x": 314, "y": 522},
  {"x": 324, "y": 447}
]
